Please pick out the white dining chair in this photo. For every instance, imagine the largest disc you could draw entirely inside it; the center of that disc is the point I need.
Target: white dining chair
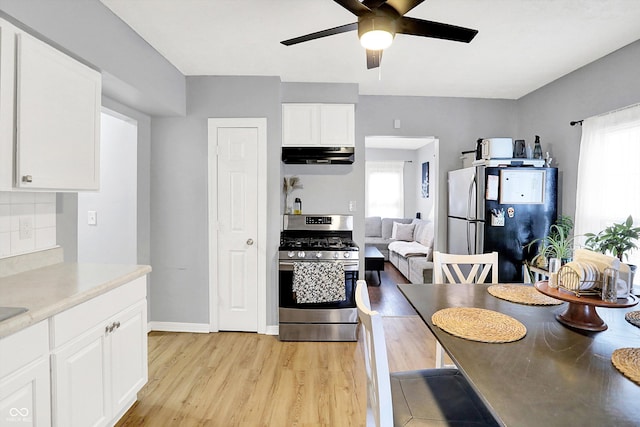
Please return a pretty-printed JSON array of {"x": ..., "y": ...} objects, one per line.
[
  {"x": 448, "y": 268},
  {"x": 425, "y": 397}
]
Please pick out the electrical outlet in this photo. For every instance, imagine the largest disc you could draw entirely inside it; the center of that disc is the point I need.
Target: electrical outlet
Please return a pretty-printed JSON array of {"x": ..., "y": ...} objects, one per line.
[
  {"x": 352, "y": 206},
  {"x": 26, "y": 228}
]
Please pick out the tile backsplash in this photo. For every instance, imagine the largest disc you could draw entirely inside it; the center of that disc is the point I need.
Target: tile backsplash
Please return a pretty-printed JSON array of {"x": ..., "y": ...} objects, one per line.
[{"x": 27, "y": 222}]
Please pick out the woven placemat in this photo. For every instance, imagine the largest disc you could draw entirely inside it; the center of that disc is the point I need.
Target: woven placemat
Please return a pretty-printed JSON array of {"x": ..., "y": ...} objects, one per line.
[
  {"x": 633, "y": 317},
  {"x": 627, "y": 361},
  {"x": 479, "y": 324},
  {"x": 521, "y": 294}
]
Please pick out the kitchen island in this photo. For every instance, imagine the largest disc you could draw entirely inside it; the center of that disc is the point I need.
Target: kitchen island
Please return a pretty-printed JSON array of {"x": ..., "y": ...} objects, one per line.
[{"x": 78, "y": 355}]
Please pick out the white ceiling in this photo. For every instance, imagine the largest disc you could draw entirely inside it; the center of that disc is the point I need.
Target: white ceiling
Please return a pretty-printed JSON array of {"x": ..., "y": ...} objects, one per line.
[{"x": 521, "y": 45}]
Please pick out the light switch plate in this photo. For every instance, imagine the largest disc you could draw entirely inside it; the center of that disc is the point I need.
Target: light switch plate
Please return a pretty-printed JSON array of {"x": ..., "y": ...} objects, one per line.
[{"x": 92, "y": 218}]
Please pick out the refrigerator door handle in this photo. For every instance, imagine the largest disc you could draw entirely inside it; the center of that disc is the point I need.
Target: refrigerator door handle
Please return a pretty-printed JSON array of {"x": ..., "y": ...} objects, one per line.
[
  {"x": 470, "y": 198},
  {"x": 469, "y": 238}
]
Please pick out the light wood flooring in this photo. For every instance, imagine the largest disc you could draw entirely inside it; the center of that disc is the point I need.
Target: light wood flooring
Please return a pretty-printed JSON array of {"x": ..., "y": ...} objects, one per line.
[{"x": 246, "y": 379}]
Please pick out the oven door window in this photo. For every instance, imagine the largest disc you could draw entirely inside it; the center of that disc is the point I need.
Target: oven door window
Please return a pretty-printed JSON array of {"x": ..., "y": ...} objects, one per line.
[{"x": 288, "y": 297}]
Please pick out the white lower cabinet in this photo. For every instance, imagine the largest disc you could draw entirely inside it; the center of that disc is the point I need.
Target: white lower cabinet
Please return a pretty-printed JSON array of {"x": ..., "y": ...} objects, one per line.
[
  {"x": 25, "y": 395},
  {"x": 97, "y": 372}
]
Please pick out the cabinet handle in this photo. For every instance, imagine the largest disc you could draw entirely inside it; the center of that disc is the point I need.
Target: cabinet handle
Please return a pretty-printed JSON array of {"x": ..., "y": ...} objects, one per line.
[
  {"x": 27, "y": 178},
  {"x": 117, "y": 325}
]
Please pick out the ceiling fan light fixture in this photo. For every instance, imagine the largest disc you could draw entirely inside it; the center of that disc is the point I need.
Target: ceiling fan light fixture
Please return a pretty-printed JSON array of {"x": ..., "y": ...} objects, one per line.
[
  {"x": 376, "y": 32},
  {"x": 376, "y": 39}
]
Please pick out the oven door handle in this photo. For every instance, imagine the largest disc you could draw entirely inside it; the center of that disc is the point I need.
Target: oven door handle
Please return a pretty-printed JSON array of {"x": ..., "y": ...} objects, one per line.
[
  {"x": 289, "y": 264},
  {"x": 338, "y": 262}
]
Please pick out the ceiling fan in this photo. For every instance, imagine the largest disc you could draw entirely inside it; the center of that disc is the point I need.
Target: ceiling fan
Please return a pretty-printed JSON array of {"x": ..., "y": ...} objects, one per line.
[{"x": 380, "y": 20}]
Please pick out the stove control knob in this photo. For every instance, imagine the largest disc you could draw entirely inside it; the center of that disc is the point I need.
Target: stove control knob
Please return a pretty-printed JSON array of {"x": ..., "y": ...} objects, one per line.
[
  {"x": 291, "y": 254},
  {"x": 347, "y": 254},
  {"x": 336, "y": 255},
  {"x": 301, "y": 254},
  {"x": 318, "y": 254}
]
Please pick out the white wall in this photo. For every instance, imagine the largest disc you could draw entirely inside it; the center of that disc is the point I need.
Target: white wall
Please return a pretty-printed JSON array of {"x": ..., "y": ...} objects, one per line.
[{"x": 114, "y": 238}]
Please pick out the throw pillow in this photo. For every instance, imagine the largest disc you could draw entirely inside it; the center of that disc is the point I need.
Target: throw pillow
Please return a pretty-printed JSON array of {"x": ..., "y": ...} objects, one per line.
[
  {"x": 394, "y": 230},
  {"x": 404, "y": 232}
]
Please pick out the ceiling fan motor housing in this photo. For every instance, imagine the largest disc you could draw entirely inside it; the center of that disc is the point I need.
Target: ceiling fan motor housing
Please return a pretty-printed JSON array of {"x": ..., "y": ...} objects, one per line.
[{"x": 376, "y": 21}]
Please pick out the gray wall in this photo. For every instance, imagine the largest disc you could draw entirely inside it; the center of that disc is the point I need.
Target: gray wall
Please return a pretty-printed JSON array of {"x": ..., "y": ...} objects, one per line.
[
  {"x": 604, "y": 85},
  {"x": 456, "y": 122},
  {"x": 179, "y": 232},
  {"x": 132, "y": 71}
]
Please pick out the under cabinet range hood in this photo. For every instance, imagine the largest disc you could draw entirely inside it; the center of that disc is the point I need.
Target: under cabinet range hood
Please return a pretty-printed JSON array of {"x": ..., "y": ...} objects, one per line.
[{"x": 318, "y": 155}]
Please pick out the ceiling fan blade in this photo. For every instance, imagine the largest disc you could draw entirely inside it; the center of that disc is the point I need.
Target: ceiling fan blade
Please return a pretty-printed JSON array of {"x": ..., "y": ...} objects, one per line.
[
  {"x": 354, "y": 6},
  {"x": 420, "y": 27},
  {"x": 402, "y": 6},
  {"x": 374, "y": 58},
  {"x": 319, "y": 34}
]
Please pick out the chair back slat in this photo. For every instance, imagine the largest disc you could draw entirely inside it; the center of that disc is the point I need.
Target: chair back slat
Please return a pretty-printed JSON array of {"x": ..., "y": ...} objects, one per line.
[
  {"x": 446, "y": 268},
  {"x": 379, "y": 402}
]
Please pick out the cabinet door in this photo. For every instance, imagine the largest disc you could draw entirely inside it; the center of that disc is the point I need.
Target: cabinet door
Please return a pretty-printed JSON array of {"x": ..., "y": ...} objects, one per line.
[
  {"x": 129, "y": 355},
  {"x": 300, "y": 125},
  {"x": 337, "y": 125},
  {"x": 81, "y": 381},
  {"x": 25, "y": 397},
  {"x": 57, "y": 119},
  {"x": 7, "y": 90}
]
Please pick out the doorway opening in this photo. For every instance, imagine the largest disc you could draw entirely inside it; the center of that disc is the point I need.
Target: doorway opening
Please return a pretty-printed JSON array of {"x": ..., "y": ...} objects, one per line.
[
  {"x": 107, "y": 219},
  {"x": 401, "y": 181}
]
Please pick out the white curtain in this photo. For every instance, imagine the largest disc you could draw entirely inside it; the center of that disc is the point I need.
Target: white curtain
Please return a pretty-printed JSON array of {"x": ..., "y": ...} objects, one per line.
[
  {"x": 385, "y": 189},
  {"x": 609, "y": 172}
]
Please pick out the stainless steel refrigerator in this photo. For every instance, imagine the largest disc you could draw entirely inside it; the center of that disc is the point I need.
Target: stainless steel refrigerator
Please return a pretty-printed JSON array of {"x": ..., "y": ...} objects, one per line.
[{"x": 500, "y": 209}]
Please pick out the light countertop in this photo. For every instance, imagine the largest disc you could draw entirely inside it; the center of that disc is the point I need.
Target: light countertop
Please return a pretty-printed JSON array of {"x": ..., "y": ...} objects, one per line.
[{"x": 50, "y": 290}]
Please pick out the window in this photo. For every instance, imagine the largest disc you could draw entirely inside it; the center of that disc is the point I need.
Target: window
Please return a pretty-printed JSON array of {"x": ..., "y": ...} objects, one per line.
[
  {"x": 609, "y": 173},
  {"x": 385, "y": 189}
]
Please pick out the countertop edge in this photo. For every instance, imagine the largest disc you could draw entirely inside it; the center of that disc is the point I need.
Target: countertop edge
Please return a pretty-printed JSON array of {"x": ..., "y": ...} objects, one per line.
[{"x": 31, "y": 317}]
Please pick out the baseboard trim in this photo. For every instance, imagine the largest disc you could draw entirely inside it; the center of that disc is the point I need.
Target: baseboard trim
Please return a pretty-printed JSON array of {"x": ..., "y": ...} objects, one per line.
[
  {"x": 200, "y": 328},
  {"x": 272, "y": 330}
]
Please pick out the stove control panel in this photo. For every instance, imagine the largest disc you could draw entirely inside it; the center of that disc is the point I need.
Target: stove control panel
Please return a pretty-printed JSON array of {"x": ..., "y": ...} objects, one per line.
[
  {"x": 318, "y": 220},
  {"x": 319, "y": 255}
]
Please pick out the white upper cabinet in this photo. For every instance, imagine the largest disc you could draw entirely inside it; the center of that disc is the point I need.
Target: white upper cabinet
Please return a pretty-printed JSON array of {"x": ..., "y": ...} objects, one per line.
[
  {"x": 55, "y": 121},
  {"x": 320, "y": 125}
]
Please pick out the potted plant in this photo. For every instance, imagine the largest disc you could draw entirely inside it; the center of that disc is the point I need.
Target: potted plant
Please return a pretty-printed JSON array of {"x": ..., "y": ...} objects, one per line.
[
  {"x": 617, "y": 239},
  {"x": 557, "y": 244},
  {"x": 289, "y": 184}
]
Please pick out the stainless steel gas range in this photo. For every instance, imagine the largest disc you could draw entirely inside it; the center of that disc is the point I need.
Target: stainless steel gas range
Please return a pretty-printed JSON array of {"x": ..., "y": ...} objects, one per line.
[{"x": 318, "y": 269}]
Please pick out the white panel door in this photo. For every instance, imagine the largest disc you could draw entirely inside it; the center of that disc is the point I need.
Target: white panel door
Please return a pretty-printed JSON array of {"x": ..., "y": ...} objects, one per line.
[{"x": 237, "y": 207}]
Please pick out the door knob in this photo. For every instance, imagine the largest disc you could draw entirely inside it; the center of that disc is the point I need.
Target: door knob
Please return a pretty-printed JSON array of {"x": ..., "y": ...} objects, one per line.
[{"x": 249, "y": 242}]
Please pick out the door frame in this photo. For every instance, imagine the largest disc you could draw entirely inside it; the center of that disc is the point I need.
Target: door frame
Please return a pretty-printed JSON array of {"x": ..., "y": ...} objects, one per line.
[{"x": 261, "y": 124}]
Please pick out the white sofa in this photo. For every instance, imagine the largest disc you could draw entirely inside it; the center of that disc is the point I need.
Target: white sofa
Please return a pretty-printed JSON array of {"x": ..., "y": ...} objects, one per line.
[
  {"x": 377, "y": 232},
  {"x": 411, "y": 249},
  {"x": 413, "y": 256}
]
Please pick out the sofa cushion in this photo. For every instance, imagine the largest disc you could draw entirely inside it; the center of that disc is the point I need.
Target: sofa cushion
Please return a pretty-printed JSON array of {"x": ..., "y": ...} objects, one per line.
[
  {"x": 403, "y": 232},
  {"x": 424, "y": 234},
  {"x": 406, "y": 249},
  {"x": 373, "y": 226},
  {"x": 387, "y": 225}
]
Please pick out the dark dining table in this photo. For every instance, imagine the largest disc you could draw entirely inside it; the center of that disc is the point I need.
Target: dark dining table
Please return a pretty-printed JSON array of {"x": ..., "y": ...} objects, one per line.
[{"x": 554, "y": 376}]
